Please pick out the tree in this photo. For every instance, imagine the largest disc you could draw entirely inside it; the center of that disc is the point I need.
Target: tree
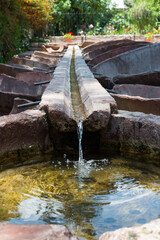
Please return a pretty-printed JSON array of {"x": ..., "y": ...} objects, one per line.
[
  {"x": 71, "y": 15},
  {"x": 143, "y": 13},
  {"x": 16, "y": 18}
]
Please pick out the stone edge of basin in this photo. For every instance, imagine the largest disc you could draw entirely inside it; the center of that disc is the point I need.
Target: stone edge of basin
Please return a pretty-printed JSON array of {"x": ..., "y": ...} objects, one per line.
[
  {"x": 133, "y": 133},
  {"x": 56, "y": 100},
  {"x": 34, "y": 232},
  {"x": 98, "y": 103},
  {"x": 148, "y": 231},
  {"x": 23, "y": 131}
]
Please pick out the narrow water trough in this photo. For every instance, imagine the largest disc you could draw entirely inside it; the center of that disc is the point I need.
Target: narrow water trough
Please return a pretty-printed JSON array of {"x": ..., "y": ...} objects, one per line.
[{"x": 74, "y": 95}]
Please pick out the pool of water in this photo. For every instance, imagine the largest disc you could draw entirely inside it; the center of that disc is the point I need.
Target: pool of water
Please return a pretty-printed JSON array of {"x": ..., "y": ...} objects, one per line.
[{"x": 88, "y": 197}]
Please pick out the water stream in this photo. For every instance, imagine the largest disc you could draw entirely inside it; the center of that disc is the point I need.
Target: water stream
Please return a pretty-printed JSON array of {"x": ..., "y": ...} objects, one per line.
[
  {"x": 80, "y": 133},
  {"x": 78, "y": 107}
]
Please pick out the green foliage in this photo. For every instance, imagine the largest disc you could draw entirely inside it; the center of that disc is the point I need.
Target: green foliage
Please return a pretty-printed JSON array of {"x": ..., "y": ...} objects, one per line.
[
  {"x": 143, "y": 13},
  {"x": 13, "y": 37},
  {"x": 68, "y": 35},
  {"x": 16, "y": 18},
  {"x": 128, "y": 3},
  {"x": 119, "y": 21},
  {"x": 71, "y": 15},
  {"x": 40, "y": 40},
  {"x": 149, "y": 35}
]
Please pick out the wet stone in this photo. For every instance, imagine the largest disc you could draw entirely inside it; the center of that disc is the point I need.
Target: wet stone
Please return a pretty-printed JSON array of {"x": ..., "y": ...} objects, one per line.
[
  {"x": 149, "y": 231},
  {"x": 35, "y": 232}
]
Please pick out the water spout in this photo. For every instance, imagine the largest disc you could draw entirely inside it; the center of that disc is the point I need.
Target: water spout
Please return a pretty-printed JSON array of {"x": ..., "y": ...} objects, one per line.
[{"x": 80, "y": 133}]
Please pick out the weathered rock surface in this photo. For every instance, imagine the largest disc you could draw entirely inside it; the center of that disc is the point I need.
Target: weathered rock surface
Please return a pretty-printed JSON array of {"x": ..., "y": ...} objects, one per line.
[
  {"x": 149, "y": 231},
  {"x": 35, "y": 232},
  {"x": 12, "y": 70},
  {"x": 33, "y": 77},
  {"x": 138, "y": 98},
  {"x": 98, "y": 45},
  {"x": 133, "y": 132},
  {"x": 48, "y": 55},
  {"x": 149, "y": 78},
  {"x": 97, "y": 102},
  {"x": 56, "y": 46},
  {"x": 107, "y": 47},
  {"x": 141, "y": 60},
  {"x": 23, "y": 130},
  {"x": 85, "y": 44},
  {"x": 143, "y": 91},
  {"x": 18, "y": 101},
  {"x": 51, "y": 49},
  {"x": 10, "y": 88},
  {"x": 109, "y": 54},
  {"x": 56, "y": 101},
  {"x": 45, "y": 60},
  {"x": 105, "y": 81},
  {"x": 31, "y": 63},
  {"x": 137, "y": 104}
]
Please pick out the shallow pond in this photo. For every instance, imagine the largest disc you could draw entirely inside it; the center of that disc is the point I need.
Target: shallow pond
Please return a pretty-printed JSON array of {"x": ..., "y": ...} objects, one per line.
[{"x": 89, "y": 198}]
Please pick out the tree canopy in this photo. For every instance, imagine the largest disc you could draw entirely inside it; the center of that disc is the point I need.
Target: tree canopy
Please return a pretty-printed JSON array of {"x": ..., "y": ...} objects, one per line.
[
  {"x": 16, "y": 18},
  {"x": 144, "y": 13}
]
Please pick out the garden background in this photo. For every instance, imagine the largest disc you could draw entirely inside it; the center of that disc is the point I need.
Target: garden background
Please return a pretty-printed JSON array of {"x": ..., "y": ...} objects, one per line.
[{"x": 25, "y": 21}]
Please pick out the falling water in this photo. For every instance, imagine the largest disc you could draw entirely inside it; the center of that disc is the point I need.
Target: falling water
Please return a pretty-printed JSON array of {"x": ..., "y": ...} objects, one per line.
[
  {"x": 80, "y": 132},
  {"x": 78, "y": 108}
]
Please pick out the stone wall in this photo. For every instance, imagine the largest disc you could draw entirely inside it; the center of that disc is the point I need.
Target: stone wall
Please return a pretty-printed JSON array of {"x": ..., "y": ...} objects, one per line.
[{"x": 97, "y": 38}]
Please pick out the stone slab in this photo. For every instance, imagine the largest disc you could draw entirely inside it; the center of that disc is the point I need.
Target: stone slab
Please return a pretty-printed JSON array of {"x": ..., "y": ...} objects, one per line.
[
  {"x": 45, "y": 60},
  {"x": 31, "y": 63},
  {"x": 12, "y": 70},
  {"x": 98, "y": 45},
  {"x": 109, "y": 54},
  {"x": 56, "y": 100},
  {"x": 107, "y": 47},
  {"x": 35, "y": 232},
  {"x": 137, "y": 104},
  {"x": 148, "y": 78},
  {"x": 138, "y": 98},
  {"x": 97, "y": 102},
  {"x": 10, "y": 88},
  {"x": 141, "y": 60},
  {"x": 23, "y": 130},
  {"x": 33, "y": 77},
  {"x": 48, "y": 55},
  {"x": 133, "y": 132},
  {"x": 149, "y": 231},
  {"x": 10, "y": 84},
  {"x": 52, "y": 49},
  {"x": 140, "y": 90},
  {"x": 17, "y": 101}
]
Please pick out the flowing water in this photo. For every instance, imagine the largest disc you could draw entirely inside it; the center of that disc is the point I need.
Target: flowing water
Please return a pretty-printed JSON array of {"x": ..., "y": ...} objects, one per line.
[
  {"x": 78, "y": 107},
  {"x": 80, "y": 133},
  {"x": 89, "y": 197}
]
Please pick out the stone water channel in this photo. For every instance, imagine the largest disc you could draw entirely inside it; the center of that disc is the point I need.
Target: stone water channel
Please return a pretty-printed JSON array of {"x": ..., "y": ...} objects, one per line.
[{"x": 98, "y": 193}]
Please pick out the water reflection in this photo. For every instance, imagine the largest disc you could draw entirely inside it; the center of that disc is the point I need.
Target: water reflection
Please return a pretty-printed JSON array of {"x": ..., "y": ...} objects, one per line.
[{"x": 90, "y": 197}]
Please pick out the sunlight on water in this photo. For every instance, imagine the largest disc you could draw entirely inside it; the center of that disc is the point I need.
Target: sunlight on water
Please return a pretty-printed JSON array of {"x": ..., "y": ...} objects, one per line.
[{"x": 89, "y": 197}]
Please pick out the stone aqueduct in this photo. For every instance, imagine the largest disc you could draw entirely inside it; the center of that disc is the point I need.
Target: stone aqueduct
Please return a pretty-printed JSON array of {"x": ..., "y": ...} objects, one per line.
[{"x": 118, "y": 112}]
